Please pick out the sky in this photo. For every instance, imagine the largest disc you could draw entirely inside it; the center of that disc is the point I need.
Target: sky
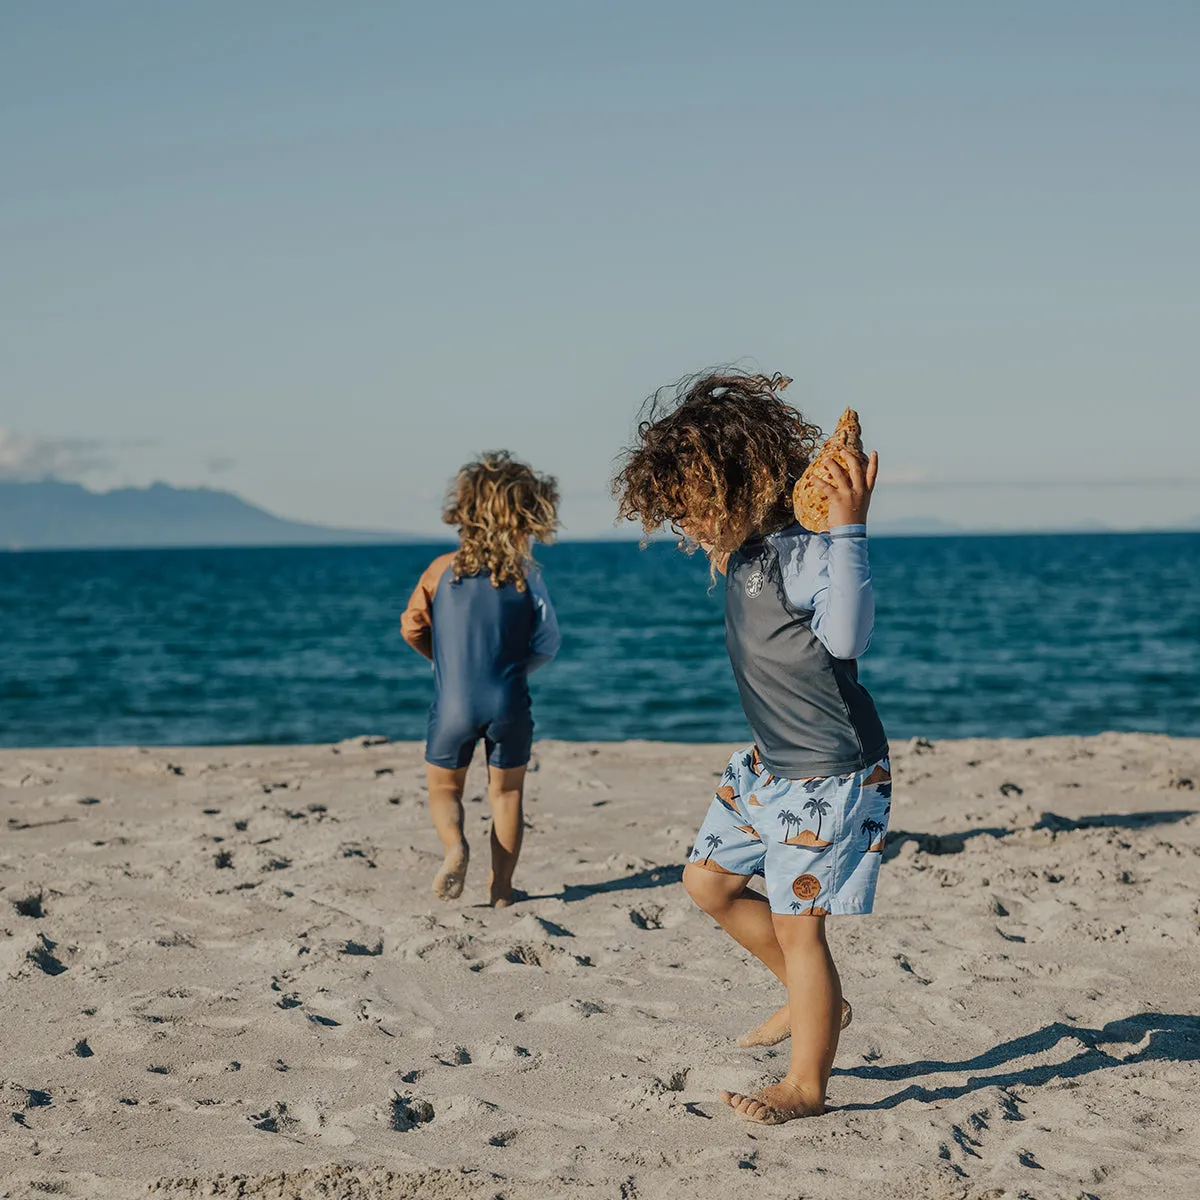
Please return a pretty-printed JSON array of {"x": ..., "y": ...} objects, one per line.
[{"x": 321, "y": 255}]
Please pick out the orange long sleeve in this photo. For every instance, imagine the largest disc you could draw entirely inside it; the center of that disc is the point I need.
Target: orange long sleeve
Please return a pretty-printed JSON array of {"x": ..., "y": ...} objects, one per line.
[{"x": 416, "y": 623}]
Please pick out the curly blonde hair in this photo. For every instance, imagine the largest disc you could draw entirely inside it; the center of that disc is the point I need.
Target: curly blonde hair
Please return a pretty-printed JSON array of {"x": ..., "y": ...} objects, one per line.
[
  {"x": 500, "y": 505},
  {"x": 718, "y": 452}
]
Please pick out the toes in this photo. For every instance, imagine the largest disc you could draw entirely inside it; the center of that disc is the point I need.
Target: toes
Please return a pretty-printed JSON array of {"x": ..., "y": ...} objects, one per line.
[{"x": 749, "y": 1107}]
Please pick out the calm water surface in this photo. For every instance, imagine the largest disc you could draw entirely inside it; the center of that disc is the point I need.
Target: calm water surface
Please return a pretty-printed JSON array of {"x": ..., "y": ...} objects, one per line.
[{"x": 991, "y": 636}]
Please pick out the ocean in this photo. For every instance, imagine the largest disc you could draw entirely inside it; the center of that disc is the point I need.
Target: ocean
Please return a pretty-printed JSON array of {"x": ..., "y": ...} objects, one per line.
[{"x": 1014, "y": 636}]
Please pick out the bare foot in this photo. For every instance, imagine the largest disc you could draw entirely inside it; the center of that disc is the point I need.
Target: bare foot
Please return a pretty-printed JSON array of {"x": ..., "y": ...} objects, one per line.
[
  {"x": 448, "y": 882},
  {"x": 774, "y": 1105},
  {"x": 778, "y": 1027}
]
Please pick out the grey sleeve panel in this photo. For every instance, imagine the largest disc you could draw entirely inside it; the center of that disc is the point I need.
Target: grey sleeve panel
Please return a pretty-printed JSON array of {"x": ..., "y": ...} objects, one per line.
[
  {"x": 810, "y": 715},
  {"x": 829, "y": 575},
  {"x": 546, "y": 639}
]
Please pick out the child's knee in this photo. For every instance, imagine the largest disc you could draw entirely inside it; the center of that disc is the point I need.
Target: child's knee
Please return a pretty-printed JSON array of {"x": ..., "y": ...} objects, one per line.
[
  {"x": 799, "y": 932},
  {"x": 710, "y": 891},
  {"x": 507, "y": 802}
]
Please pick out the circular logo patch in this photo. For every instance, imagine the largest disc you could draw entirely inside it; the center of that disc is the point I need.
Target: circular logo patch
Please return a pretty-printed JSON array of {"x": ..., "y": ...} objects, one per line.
[
  {"x": 806, "y": 887},
  {"x": 754, "y": 583}
]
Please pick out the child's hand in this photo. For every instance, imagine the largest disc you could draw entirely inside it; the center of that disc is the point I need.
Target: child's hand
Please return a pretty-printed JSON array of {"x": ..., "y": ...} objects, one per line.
[{"x": 849, "y": 489}]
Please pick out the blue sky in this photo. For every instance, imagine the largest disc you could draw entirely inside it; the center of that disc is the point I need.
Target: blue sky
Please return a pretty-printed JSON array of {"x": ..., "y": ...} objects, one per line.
[{"x": 322, "y": 254}]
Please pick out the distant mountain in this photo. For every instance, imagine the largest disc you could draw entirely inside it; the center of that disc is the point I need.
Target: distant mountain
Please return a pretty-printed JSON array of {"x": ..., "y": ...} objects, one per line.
[{"x": 50, "y": 514}]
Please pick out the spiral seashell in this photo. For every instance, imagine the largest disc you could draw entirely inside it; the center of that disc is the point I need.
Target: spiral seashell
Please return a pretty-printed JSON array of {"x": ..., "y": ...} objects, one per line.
[{"x": 810, "y": 504}]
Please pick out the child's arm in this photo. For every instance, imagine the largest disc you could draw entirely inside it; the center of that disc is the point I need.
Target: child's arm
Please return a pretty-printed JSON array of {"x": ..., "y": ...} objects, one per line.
[
  {"x": 416, "y": 624},
  {"x": 546, "y": 639},
  {"x": 844, "y": 608},
  {"x": 837, "y": 589}
]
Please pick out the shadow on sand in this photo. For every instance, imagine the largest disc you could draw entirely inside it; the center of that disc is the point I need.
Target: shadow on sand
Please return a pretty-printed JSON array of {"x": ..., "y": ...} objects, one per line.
[
  {"x": 955, "y": 843},
  {"x": 652, "y": 877},
  {"x": 1170, "y": 1037}
]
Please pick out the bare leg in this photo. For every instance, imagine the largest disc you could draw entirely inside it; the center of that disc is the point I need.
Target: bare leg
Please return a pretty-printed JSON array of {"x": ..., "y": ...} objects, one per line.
[
  {"x": 815, "y": 1002},
  {"x": 744, "y": 915},
  {"x": 506, "y": 789},
  {"x": 446, "y": 809}
]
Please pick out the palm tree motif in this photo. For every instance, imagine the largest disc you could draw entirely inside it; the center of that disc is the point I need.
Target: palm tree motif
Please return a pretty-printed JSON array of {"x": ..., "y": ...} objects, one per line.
[
  {"x": 819, "y": 808},
  {"x": 871, "y": 828},
  {"x": 812, "y": 785},
  {"x": 884, "y": 790},
  {"x": 787, "y": 819},
  {"x": 712, "y": 841},
  {"x": 728, "y": 797},
  {"x": 797, "y": 906}
]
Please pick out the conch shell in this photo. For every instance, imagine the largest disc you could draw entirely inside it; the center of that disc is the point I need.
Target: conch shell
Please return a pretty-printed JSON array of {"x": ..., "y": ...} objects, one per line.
[{"x": 811, "y": 505}]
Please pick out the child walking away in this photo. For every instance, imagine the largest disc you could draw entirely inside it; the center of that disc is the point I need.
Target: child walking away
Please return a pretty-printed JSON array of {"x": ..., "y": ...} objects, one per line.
[
  {"x": 806, "y": 806},
  {"x": 483, "y": 616}
]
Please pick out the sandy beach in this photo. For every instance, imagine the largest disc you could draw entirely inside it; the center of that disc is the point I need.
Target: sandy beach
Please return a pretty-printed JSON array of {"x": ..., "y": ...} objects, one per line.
[{"x": 224, "y": 975}]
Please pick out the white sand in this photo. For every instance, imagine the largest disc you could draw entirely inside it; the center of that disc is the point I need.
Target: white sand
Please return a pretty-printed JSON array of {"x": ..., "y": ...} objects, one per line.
[{"x": 1025, "y": 996}]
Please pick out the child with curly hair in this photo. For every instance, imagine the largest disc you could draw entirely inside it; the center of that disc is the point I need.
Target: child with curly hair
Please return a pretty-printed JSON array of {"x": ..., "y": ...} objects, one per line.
[
  {"x": 483, "y": 617},
  {"x": 806, "y": 806}
]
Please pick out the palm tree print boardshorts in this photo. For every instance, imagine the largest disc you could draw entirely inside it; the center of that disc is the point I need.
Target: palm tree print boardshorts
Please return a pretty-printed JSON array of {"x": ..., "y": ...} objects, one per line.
[{"x": 817, "y": 843}]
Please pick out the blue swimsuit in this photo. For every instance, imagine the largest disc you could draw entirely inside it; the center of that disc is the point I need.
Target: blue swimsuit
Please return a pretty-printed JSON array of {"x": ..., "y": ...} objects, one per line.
[{"x": 484, "y": 641}]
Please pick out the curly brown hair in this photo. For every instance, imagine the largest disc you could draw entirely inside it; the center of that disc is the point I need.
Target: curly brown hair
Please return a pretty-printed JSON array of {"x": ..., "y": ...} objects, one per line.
[
  {"x": 717, "y": 453},
  {"x": 500, "y": 505}
]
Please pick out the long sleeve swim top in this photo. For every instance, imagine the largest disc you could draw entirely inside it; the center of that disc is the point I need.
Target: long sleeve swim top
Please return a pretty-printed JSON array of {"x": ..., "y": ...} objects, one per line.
[
  {"x": 477, "y": 634},
  {"x": 799, "y": 610}
]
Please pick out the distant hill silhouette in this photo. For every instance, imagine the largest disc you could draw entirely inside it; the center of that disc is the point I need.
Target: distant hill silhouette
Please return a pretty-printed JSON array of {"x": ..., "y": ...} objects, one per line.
[{"x": 50, "y": 514}]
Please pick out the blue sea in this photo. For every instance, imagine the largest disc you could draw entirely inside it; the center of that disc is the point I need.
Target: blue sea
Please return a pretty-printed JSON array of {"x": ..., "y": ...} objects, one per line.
[{"x": 993, "y": 636}]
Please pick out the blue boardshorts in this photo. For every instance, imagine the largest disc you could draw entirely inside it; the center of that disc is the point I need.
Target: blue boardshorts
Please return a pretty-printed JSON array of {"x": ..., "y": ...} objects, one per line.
[{"x": 817, "y": 843}]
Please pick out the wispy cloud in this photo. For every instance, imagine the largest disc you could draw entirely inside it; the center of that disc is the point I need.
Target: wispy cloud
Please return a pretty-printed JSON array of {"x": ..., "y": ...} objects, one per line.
[{"x": 25, "y": 456}]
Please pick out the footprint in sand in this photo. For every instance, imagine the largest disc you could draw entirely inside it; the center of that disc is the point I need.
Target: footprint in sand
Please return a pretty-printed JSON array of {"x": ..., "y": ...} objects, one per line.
[
  {"x": 42, "y": 957},
  {"x": 31, "y": 905},
  {"x": 501, "y": 1052},
  {"x": 567, "y": 1012},
  {"x": 275, "y": 1119},
  {"x": 546, "y": 956},
  {"x": 649, "y": 916},
  {"x": 407, "y": 1112},
  {"x": 358, "y": 948}
]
